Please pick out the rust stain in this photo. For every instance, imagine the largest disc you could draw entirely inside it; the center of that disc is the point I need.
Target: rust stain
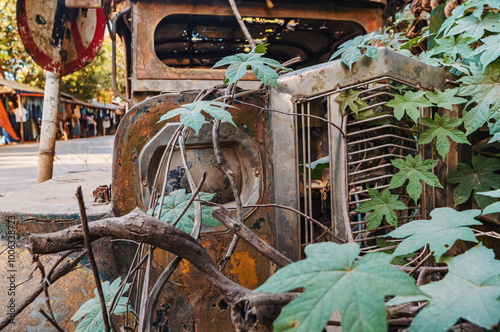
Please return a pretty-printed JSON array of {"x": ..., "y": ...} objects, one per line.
[{"x": 244, "y": 268}]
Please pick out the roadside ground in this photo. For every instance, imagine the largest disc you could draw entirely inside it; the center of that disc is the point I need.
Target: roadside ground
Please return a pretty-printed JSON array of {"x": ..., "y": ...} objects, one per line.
[{"x": 18, "y": 163}]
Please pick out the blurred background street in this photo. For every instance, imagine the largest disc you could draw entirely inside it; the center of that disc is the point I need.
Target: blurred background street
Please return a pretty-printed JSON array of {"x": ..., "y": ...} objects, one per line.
[{"x": 18, "y": 163}]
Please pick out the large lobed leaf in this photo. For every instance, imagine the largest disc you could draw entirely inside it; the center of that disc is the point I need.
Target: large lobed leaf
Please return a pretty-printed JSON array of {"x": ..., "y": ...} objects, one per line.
[
  {"x": 474, "y": 27},
  {"x": 192, "y": 117},
  {"x": 381, "y": 205},
  {"x": 261, "y": 66},
  {"x": 484, "y": 92},
  {"x": 470, "y": 290},
  {"x": 489, "y": 51},
  {"x": 440, "y": 233},
  {"x": 409, "y": 103},
  {"x": 350, "y": 50},
  {"x": 91, "y": 311},
  {"x": 480, "y": 177},
  {"x": 495, "y": 207},
  {"x": 350, "y": 99},
  {"x": 333, "y": 281},
  {"x": 441, "y": 128},
  {"x": 414, "y": 170},
  {"x": 176, "y": 201}
]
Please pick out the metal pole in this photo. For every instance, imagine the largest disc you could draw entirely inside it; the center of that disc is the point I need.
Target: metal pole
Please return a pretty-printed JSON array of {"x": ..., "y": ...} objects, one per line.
[{"x": 48, "y": 130}]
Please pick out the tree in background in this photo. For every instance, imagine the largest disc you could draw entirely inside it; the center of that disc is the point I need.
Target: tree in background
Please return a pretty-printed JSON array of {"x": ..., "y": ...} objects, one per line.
[{"x": 17, "y": 65}]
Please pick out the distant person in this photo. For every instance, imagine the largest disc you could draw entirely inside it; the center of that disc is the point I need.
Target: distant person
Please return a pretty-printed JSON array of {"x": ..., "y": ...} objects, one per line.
[{"x": 91, "y": 125}]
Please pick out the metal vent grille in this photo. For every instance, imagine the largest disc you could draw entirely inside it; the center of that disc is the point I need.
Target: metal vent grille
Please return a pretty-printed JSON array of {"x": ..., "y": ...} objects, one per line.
[{"x": 349, "y": 154}]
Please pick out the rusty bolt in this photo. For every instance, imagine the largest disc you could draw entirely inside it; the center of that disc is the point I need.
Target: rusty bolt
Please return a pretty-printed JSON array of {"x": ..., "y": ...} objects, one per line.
[
  {"x": 144, "y": 182},
  {"x": 257, "y": 172},
  {"x": 236, "y": 227}
]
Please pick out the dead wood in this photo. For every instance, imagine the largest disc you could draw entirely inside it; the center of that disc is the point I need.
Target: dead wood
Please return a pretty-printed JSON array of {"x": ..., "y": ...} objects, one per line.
[
  {"x": 225, "y": 217},
  {"x": 249, "y": 309}
]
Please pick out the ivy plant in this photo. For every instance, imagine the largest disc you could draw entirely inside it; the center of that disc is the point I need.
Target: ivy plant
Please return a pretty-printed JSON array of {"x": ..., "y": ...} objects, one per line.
[
  {"x": 440, "y": 233},
  {"x": 175, "y": 202},
  {"x": 442, "y": 128},
  {"x": 414, "y": 169},
  {"x": 470, "y": 290},
  {"x": 90, "y": 313},
  {"x": 382, "y": 204},
  {"x": 478, "y": 178},
  {"x": 335, "y": 281}
]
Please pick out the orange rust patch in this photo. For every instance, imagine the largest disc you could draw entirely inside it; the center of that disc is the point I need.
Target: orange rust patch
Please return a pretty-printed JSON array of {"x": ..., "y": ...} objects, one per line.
[{"x": 244, "y": 269}]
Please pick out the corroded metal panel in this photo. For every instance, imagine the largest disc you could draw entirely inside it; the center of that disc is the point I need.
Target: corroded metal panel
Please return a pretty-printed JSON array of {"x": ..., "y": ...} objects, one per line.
[
  {"x": 190, "y": 302},
  {"x": 150, "y": 74}
]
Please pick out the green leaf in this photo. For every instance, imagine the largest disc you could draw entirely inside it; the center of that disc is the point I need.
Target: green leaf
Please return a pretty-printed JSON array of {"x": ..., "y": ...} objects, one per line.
[
  {"x": 174, "y": 203},
  {"x": 473, "y": 27},
  {"x": 192, "y": 117},
  {"x": 350, "y": 99},
  {"x": 427, "y": 57},
  {"x": 440, "y": 233},
  {"x": 480, "y": 177},
  {"x": 414, "y": 170},
  {"x": 334, "y": 282},
  {"x": 470, "y": 290},
  {"x": 317, "y": 167},
  {"x": 484, "y": 90},
  {"x": 489, "y": 51},
  {"x": 493, "y": 208},
  {"x": 381, "y": 204},
  {"x": 91, "y": 311},
  {"x": 409, "y": 104},
  {"x": 453, "y": 47},
  {"x": 261, "y": 66},
  {"x": 350, "y": 50},
  {"x": 457, "y": 13},
  {"x": 396, "y": 260},
  {"x": 442, "y": 128},
  {"x": 260, "y": 48},
  {"x": 446, "y": 99}
]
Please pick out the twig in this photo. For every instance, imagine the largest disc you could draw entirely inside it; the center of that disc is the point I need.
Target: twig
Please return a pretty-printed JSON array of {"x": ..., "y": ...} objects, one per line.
[
  {"x": 44, "y": 284},
  {"x": 417, "y": 258},
  {"x": 156, "y": 290},
  {"x": 192, "y": 185},
  {"x": 241, "y": 23},
  {"x": 193, "y": 196},
  {"x": 51, "y": 321},
  {"x": 421, "y": 276},
  {"x": 52, "y": 277},
  {"x": 492, "y": 234},
  {"x": 326, "y": 229},
  {"x": 225, "y": 217},
  {"x": 152, "y": 299},
  {"x": 222, "y": 162},
  {"x": 90, "y": 254},
  {"x": 131, "y": 271},
  {"x": 293, "y": 114},
  {"x": 421, "y": 263},
  {"x": 430, "y": 269}
]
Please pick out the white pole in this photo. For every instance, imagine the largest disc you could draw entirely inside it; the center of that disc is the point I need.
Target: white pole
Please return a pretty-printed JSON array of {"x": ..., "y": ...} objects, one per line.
[{"x": 48, "y": 130}]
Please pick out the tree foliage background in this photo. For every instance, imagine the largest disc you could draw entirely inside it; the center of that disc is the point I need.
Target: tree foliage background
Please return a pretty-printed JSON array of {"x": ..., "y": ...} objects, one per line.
[{"x": 17, "y": 65}]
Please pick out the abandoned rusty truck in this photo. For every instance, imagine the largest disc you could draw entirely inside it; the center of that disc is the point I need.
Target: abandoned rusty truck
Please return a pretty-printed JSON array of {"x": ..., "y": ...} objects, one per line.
[{"x": 280, "y": 135}]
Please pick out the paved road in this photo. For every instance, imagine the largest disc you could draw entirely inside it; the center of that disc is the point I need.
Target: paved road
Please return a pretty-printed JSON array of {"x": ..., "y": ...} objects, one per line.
[{"x": 18, "y": 163}]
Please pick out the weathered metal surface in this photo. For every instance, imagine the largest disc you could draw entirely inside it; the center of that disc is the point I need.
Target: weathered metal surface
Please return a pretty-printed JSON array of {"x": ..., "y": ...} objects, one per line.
[
  {"x": 45, "y": 208},
  {"x": 321, "y": 84},
  {"x": 67, "y": 294},
  {"x": 238, "y": 148},
  {"x": 43, "y": 27},
  {"x": 149, "y": 73},
  {"x": 190, "y": 302}
]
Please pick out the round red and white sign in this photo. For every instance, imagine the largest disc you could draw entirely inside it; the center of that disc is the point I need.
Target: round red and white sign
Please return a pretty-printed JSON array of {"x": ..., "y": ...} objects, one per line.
[{"x": 60, "y": 39}]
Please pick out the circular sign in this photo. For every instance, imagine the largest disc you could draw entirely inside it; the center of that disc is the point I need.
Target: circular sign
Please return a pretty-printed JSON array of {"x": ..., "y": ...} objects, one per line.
[{"x": 60, "y": 39}]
